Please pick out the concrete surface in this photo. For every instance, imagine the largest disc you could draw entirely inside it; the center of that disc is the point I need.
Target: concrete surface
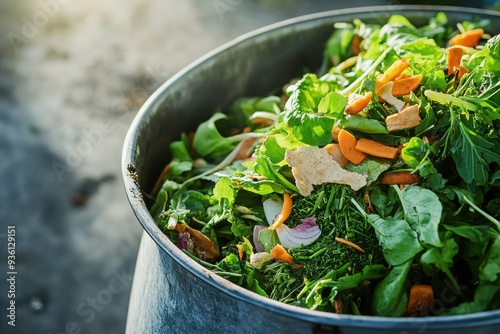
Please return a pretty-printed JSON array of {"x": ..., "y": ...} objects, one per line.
[{"x": 72, "y": 76}]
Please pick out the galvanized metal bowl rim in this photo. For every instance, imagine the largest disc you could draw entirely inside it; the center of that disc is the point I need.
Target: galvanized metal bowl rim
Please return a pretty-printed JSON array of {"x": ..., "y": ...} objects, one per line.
[{"x": 140, "y": 210}]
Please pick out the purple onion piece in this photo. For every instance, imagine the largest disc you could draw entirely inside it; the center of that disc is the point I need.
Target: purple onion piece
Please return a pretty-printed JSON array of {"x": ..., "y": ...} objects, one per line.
[
  {"x": 303, "y": 234},
  {"x": 257, "y": 245},
  {"x": 182, "y": 242},
  {"x": 306, "y": 224}
]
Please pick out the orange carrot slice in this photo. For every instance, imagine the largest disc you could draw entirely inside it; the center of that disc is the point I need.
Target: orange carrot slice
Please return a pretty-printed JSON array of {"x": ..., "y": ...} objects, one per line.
[
  {"x": 359, "y": 104},
  {"x": 347, "y": 144},
  {"x": 399, "y": 178},
  {"x": 356, "y": 44},
  {"x": 393, "y": 71},
  {"x": 376, "y": 149},
  {"x": 350, "y": 244},
  {"x": 468, "y": 38},
  {"x": 240, "y": 251},
  {"x": 420, "y": 300},
  {"x": 279, "y": 253},
  {"x": 454, "y": 56},
  {"x": 405, "y": 86},
  {"x": 285, "y": 212},
  {"x": 335, "y": 133}
]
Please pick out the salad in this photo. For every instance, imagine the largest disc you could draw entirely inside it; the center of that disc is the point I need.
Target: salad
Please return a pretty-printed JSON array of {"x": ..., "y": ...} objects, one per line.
[{"x": 370, "y": 186}]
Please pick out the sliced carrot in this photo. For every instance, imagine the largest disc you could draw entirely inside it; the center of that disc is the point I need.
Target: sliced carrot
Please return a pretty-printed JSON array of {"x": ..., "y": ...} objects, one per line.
[
  {"x": 335, "y": 133},
  {"x": 403, "y": 75},
  {"x": 350, "y": 244},
  {"x": 393, "y": 71},
  {"x": 263, "y": 122},
  {"x": 399, "y": 178},
  {"x": 339, "y": 305},
  {"x": 336, "y": 154},
  {"x": 285, "y": 212},
  {"x": 347, "y": 144},
  {"x": 246, "y": 149},
  {"x": 359, "y": 104},
  {"x": 454, "y": 56},
  {"x": 377, "y": 149},
  {"x": 420, "y": 300},
  {"x": 356, "y": 44},
  {"x": 240, "y": 251},
  {"x": 468, "y": 38},
  {"x": 279, "y": 253},
  {"x": 405, "y": 86}
]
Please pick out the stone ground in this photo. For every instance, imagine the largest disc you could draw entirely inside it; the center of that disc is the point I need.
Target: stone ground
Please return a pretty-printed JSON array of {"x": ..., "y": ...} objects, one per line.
[{"x": 72, "y": 76}]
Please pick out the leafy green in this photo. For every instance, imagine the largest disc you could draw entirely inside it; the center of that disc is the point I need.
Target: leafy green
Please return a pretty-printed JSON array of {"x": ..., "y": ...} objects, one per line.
[
  {"x": 208, "y": 140},
  {"x": 371, "y": 167},
  {"x": 391, "y": 295},
  {"x": 416, "y": 155},
  {"x": 311, "y": 109},
  {"x": 423, "y": 212},
  {"x": 398, "y": 240},
  {"x": 442, "y": 257},
  {"x": 268, "y": 238},
  {"x": 363, "y": 124}
]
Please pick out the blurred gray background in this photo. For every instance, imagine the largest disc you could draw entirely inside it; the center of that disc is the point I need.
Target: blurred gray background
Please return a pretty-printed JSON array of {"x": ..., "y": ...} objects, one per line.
[{"x": 72, "y": 76}]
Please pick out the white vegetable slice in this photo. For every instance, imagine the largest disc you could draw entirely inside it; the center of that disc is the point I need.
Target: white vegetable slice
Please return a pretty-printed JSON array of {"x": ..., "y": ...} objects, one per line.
[
  {"x": 272, "y": 206},
  {"x": 298, "y": 236},
  {"x": 258, "y": 260},
  {"x": 385, "y": 92}
]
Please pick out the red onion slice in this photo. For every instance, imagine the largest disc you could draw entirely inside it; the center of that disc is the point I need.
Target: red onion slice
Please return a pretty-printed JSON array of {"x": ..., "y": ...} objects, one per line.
[{"x": 301, "y": 235}]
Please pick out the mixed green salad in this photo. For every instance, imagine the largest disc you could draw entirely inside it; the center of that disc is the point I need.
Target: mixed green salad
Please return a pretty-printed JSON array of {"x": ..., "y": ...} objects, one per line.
[{"x": 371, "y": 186}]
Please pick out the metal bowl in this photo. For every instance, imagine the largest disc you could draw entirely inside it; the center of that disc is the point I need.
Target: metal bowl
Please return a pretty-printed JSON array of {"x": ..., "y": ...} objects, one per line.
[{"x": 173, "y": 294}]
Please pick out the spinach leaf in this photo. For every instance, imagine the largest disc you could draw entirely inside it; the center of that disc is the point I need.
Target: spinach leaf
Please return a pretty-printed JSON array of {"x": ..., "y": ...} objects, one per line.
[
  {"x": 423, "y": 212},
  {"x": 383, "y": 202},
  {"x": 181, "y": 159},
  {"x": 391, "y": 294},
  {"x": 208, "y": 141},
  {"x": 398, "y": 240},
  {"x": 362, "y": 124}
]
